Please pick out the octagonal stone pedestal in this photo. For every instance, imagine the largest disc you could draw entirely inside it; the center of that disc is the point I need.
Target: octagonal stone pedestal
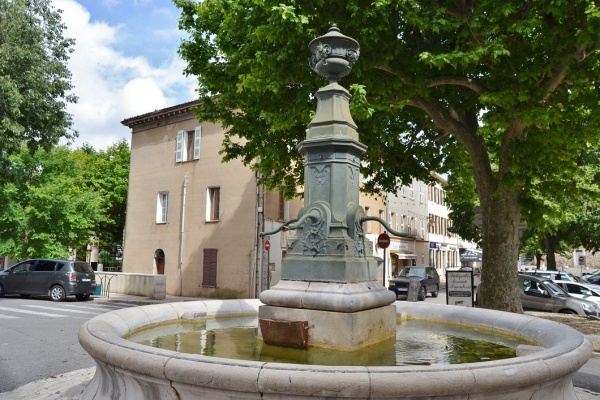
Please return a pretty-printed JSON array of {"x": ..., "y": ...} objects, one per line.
[{"x": 127, "y": 370}]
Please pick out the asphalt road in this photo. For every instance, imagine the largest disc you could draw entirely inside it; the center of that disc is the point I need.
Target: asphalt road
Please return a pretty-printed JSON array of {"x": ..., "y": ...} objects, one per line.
[{"x": 38, "y": 338}]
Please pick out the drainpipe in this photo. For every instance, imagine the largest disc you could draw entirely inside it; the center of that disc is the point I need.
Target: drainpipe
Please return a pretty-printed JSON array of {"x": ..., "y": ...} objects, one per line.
[
  {"x": 181, "y": 241},
  {"x": 261, "y": 219}
]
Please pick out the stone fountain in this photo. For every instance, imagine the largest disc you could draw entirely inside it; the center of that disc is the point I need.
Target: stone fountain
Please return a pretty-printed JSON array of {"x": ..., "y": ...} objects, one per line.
[{"x": 328, "y": 297}]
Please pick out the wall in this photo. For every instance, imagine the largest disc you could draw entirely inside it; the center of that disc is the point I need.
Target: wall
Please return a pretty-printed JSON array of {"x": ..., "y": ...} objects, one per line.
[{"x": 146, "y": 285}]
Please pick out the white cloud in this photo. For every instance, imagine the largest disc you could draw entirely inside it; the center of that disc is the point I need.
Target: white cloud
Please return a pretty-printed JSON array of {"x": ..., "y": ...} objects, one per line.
[{"x": 111, "y": 85}]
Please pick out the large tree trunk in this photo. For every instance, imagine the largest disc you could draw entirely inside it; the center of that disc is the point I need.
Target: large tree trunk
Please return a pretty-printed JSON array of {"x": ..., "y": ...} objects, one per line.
[
  {"x": 551, "y": 244},
  {"x": 500, "y": 209},
  {"x": 501, "y": 219},
  {"x": 538, "y": 260}
]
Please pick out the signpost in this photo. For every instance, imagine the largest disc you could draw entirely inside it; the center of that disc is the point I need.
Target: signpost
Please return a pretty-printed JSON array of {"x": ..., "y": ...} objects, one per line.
[
  {"x": 459, "y": 288},
  {"x": 383, "y": 241},
  {"x": 267, "y": 248},
  {"x": 581, "y": 263}
]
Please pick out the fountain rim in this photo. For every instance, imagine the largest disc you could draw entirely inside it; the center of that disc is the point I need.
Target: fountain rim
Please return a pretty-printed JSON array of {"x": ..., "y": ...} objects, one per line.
[{"x": 565, "y": 349}]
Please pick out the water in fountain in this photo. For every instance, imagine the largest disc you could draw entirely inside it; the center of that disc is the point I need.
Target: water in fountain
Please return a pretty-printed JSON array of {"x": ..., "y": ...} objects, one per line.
[{"x": 417, "y": 343}]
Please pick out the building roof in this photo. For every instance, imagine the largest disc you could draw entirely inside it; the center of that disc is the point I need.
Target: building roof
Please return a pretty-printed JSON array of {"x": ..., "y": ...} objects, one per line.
[{"x": 160, "y": 114}]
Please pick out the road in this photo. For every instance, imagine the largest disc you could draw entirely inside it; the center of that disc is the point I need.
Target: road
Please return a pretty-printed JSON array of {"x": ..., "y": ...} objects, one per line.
[{"x": 38, "y": 338}]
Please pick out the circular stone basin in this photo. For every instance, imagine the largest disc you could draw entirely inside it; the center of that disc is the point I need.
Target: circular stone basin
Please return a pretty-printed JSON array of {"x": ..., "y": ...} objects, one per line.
[{"x": 127, "y": 370}]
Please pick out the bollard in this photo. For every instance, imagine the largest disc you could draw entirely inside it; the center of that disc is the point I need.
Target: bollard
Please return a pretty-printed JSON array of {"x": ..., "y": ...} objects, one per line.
[{"x": 413, "y": 290}]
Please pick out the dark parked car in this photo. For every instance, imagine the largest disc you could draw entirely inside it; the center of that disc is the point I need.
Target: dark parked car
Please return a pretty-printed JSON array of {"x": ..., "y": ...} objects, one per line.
[
  {"x": 427, "y": 277},
  {"x": 593, "y": 278},
  {"x": 44, "y": 277},
  {"x": 541, "y": 294}
]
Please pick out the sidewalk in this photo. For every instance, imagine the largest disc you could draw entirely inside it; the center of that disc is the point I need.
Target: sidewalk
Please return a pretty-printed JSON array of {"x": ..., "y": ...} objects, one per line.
[{"x": 68, "y": 386}]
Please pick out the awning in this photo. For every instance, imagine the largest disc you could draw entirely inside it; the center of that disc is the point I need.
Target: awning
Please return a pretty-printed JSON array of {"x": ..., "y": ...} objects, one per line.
[{"x": 470, "y": 255}]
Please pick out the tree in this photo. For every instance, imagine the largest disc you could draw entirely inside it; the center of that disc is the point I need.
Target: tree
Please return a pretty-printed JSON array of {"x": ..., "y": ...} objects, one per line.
[
  {"x": 106, "y": 173},
  {"x": 34, "y": 79},
  {"x": 512, "y": 83},
  {"x": 48, "y": 209},
  {"x": 556, "y": 224}
]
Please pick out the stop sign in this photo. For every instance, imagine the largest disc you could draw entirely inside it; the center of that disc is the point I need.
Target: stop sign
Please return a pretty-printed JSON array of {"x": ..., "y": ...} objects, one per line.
[
  {"x": 383, "y": 241},
  {"x": 267, "y": 245}
]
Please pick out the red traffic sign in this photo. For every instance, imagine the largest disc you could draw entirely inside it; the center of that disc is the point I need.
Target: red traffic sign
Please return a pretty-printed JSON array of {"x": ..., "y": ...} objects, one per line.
[
  {"x": 581, "y": 260},
  {"x": 383, "y": 241},
  {"x": 267, "y": 245}
]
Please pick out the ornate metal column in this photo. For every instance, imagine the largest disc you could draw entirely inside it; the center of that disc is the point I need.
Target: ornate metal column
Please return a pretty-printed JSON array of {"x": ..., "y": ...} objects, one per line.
[{"x": 329, "y": 265}]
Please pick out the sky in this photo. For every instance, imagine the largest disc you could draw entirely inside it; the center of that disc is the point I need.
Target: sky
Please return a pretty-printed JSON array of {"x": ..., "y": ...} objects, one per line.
[{"x": 124, "y": 64}]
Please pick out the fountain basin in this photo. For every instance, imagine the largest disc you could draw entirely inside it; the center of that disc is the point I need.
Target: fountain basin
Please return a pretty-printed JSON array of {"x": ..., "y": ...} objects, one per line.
[{"x": 130, "y": 370}]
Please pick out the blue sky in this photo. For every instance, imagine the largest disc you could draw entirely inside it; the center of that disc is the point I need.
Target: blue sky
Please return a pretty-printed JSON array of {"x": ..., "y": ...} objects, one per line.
[{"x": 125, "y": 64}]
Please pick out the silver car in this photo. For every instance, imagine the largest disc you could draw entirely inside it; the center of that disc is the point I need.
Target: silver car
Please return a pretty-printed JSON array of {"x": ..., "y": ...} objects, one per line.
[
  {"x": 581, "y": 291},
  {"x": 46, "y": 277},
  {"x": 540, "y": 294},
  {"x": 555, "y": 275}
]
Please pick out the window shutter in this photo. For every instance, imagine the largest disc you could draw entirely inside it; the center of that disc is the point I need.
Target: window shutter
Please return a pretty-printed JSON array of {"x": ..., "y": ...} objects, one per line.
[
  {"x": 209, "y": 268},
  {"x": 197, "y": 139},
  {"x": 179, "y": 148}
]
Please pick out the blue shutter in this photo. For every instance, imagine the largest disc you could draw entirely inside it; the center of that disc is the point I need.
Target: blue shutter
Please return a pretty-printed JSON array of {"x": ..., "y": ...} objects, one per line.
[{"x": 197, "y": 140}]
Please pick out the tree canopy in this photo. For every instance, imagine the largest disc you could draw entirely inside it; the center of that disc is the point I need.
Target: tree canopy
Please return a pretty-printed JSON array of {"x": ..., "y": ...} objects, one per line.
[
  {"x": 106, "y": 172},
  {"x": 509, "y": 86},
  {"x": 48, "y": 209},
  {"x": 34, "y": 80},
  {"x": 60, "y": 198}
]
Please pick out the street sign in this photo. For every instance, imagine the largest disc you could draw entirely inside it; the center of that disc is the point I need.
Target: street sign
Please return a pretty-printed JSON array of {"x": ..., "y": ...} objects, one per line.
[
  {"x": 267, "y": 245},
  {"x": 383, "y": 241},
  {"x": 581, "y": 260}
]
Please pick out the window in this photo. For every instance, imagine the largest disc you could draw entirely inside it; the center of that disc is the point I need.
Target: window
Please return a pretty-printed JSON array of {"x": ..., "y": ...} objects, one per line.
[
  {"x": 209, "y": 268},
  {"x": 162, "y": 206},
  {"x": 381, "y": 217},
  {"x": 213, "y": 195},
  {"x": 25, "y": 266},
  {"x": 45, "y": 266},
  {"x": 188, "y": 145},
  {"x": 367, "y": 213},
  {"x": 401, "y": 224}
]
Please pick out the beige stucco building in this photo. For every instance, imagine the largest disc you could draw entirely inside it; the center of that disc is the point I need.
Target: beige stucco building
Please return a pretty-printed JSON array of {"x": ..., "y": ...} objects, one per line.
[{"x": 189, "y": 215}]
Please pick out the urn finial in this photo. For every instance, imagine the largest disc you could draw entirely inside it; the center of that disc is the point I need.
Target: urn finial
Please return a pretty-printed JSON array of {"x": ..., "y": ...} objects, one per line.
[{"x": 334, "y": 54}]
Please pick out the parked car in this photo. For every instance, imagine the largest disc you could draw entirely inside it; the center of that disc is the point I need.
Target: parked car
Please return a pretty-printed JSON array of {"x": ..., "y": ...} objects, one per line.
[
  {"x": 593, "y": 278},
  {"x": 427, "y": 277},
  {"x": 581, "y": 291},
  {"x": 554, "y": 275},
  {"x": 539, "y": 294},
  {"x": 45, "y": 277}
]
